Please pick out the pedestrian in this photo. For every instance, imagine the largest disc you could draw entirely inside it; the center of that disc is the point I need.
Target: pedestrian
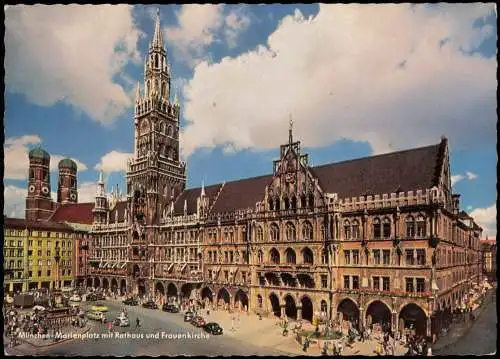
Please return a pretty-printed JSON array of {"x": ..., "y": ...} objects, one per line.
[
  {"x": 429, "y": 351},
  {"x": 137, "y": 322}
]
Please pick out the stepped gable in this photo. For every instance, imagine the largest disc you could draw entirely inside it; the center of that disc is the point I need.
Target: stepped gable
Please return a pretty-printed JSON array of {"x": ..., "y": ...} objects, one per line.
[
  {"x": 191, "y": 195},
  {"x": 74, "y": 213}
]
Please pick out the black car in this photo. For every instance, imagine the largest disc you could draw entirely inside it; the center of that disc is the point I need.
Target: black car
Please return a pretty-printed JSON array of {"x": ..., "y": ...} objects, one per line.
[
  {"x": 188, "y": 316},
  {"x": 213, "y": 328},
  {"x": 150, "y": 305},
  {"x": 130, "y": 301},
  {"x": 91, "y": 298},
  {"x": 100, "y": 296},
  {"x": 170, "y": 308}
]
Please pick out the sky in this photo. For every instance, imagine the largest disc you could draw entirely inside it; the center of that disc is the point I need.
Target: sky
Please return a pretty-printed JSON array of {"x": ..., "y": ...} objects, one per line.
[{"x": 358, "y": 80}]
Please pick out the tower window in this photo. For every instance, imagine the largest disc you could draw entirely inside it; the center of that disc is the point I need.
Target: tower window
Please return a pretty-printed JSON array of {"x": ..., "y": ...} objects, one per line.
[
  {"x": 156, "y": 60},
  {"x": 32, "y": 174}
]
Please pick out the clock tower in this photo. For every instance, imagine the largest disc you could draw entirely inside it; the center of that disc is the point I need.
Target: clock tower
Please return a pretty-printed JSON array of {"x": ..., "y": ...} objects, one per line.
[{"x": 155, "y": 175}]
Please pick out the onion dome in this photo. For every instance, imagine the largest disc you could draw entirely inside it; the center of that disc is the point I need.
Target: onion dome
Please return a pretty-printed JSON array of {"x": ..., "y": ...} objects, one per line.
[
  {"x": 39, "y": 153},
  {"x": 67, "y": 163}
]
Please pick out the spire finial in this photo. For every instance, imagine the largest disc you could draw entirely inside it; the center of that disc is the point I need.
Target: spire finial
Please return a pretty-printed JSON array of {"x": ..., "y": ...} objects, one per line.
[
  {"x": 203, "y": 188},
  {"x": 100, "y": 177},
  {"x": 158, "y": 36},
  {"x": 290, "y": 130}
]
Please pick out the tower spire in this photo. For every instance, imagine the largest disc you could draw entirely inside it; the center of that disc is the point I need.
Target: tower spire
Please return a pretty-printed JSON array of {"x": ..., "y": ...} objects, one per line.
[
  {"x": 137, "y": 92},
  {"x": 158, "y": 36},
  {"x": 290, "y": 130}
]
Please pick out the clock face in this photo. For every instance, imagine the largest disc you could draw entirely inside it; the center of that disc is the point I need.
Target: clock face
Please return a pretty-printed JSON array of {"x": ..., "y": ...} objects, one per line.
[
  {"x": 72, "y": 196},
  {"x": 45, "y": 190},
  {"x": 144, "y": 126},
  {"x": 31, "y": 189}
]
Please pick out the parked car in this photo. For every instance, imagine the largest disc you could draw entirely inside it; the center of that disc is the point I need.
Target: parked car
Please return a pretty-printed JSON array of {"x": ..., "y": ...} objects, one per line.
[
  {"x": 150, "y": 305},
  {"x": 75, "y": 298},
  {"x": 130, "y": 301},
  {"x": 188, "y": 316},
  {"x": 99, "y": 307},
  {"x": 94, "y": 315},
  {"x": 91, "y": 297},
  {"x": 198, "y": 321},
  {"x": 170, "y": 308},
  {"x": 213, "y": 328},
  {"x": 100, "y": 296},
  {"x": 122, "y": 322}
]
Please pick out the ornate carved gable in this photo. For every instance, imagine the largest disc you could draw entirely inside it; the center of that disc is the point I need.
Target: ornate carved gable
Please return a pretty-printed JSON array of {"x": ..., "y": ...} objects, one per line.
[{"x": 293, "y": 182}]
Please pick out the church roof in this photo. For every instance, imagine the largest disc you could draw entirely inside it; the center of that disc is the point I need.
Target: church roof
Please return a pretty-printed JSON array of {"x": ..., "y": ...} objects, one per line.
[
  {"x": 67, "y": 163},
  {"x": 74, "y": 213},
  {"x": 401, "y": 171}
]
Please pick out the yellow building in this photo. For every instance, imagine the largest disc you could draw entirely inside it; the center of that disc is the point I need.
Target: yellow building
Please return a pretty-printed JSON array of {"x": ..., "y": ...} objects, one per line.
[{"x": 34, "y": 252}]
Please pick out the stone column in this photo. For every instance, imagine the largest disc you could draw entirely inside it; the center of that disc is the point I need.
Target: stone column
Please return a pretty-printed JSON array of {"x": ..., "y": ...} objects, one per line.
[
  {"x": 361, "y": 318},
  {"x": 282, "y": 307},
  {"x": 394, "y": 321},
  {"x": 299, "y": 313},
  {"x": 429, "y": 327}
]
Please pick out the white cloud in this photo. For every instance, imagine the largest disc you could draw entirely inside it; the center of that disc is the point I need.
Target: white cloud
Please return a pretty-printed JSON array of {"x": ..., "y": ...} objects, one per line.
[
  {"x": 14, "y": 201},
  {"x": 201, "y": 25},
  {"x": 86, "y": 192},
  {"x": 456, "y": 178},
  {"x": 70, "y": 54},
  {"x": 486, "y": 219},
  {"x": 340, "y": 75},
  {"x": 16, "y": 157},
  {"x": 114, "y": 161},
  {"x": 236, "y": 21},
  {"x": 470, "y": 176}
]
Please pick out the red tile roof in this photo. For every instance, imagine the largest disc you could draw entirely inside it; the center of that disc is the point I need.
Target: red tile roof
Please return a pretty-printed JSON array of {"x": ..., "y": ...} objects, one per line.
[
  {"x": 21, "y": 223},
  {"x": 75, "y": 213}
]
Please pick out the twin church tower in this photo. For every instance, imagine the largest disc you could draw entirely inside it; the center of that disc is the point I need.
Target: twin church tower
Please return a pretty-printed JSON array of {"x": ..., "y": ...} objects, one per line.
[{"x": 155, "y": 175}]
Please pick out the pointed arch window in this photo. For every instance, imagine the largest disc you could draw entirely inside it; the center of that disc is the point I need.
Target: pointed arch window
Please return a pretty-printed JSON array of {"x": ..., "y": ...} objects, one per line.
[
  {"x": 287, "y": 203},
  {"x": 290, "y": 256},
  {"x": 311, "y": 200},
  {"x": 376, "y": 228},
  {"x": 163, "y": 89},
  {"x": 277, "y": 204},
  {"x": 294, "y": 203},
  {"x": 274, "y": 232},
  {"x": 386, "y": 227},
  {"x": 156, "y": 61},
  {"x": 274, "y": 256},
  {"x": 347, "y": 229},
  {"x": 410, "y": 227},
  {"x": 421, "y": 226},
  {"x": 324, "y": 256},
  {"x": 148, "y": 88},
  {"x": 307, "y": 256},
  {"x": 323, "y": 232},
  {"x": 303, "y": 202},
  {"x": 355, "y": 229},
  {"x": 271, "y": 204},
  {"x": 260, "y": 234},
  {"x": 307, "y": 231},
  {"x": 260, "y": 257},
  {"x": 290, "y": 232}
]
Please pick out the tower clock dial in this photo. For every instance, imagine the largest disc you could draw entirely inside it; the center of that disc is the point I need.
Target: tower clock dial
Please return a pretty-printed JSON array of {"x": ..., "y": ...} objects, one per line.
[
  {"x": 31, "y": 189},
  {"x": 45, "y": 190},
  {"x": 73, "y": 196}
]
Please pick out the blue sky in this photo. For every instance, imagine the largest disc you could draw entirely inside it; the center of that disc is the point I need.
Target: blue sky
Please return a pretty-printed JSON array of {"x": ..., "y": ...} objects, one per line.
[{"x": 240, "y": 72}]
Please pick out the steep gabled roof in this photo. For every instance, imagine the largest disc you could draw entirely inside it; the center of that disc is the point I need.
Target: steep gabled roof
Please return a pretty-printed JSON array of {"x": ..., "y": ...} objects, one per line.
[
  {"x": 190, "y": 195},
  {"x": 74, "y": 212},
  {"x": 401, "y": 171}
]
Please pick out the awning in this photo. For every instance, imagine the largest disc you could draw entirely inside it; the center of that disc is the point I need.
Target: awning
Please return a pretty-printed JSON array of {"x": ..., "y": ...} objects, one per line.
[
  {"x": 123, "y": 264},
  {"x": 170, "y": 267},
  {"x": 100, "y": 264},
  {"x": 236, "y": 271},
  {"x": 114, "y": 265}
]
